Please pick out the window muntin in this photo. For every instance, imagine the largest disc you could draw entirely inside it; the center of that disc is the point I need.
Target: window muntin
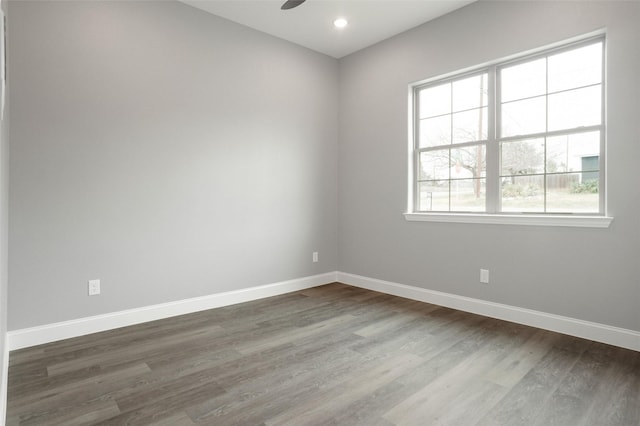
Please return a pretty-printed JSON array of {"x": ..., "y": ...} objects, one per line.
[{"x": 538, "y": 123}]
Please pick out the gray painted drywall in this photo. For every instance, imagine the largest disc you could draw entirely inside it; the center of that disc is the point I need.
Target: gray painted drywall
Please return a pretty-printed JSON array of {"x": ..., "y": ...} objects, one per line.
[
  {"x": 165, "y": 151},
  {"x": 4, "y": 228},
  {"x": 174, "y": 154},
  {"x": 589, "y": 274}
]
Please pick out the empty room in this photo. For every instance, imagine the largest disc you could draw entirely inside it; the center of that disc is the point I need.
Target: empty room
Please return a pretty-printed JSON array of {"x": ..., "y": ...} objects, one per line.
[{"x": 320, "y": 212}]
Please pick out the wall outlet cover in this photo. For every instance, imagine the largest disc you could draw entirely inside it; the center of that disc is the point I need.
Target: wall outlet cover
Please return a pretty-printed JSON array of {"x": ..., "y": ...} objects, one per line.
[
  {"x": 94, "y": 287},
  {"x": 484, "y": 276}
]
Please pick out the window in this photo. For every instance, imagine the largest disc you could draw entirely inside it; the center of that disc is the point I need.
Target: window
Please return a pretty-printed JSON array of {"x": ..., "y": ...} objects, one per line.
[{"x": 524, "y": 136}]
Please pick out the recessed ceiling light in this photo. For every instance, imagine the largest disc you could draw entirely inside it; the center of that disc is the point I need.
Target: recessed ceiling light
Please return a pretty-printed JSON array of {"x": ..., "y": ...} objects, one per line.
[{"x": 340, "y": 23}]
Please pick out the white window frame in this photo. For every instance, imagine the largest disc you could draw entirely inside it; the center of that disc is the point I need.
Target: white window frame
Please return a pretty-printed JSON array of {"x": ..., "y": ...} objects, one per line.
[{"x": 493, "y": 215}]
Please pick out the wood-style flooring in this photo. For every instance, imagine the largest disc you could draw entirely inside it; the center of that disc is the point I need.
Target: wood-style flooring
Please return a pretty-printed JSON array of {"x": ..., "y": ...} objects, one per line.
[{"x": 331, "y": 355}]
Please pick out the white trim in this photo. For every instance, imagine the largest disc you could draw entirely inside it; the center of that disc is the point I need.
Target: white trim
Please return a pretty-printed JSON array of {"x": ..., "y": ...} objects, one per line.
[
  {"x": 23, "y": 338},
  {"x": 625, "y": 338},
  {"x": 26, "y": 337},
  {"x": 515, "y": 219},
  {"x": 5, "y": 381}
]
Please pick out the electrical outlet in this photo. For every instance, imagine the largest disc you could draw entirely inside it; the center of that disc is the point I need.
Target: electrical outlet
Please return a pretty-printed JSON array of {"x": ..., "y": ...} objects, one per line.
[
  {"x": 94, "y": 287},
  {"x": 484, "y": 276},
  {"x": 315, "y": 256}
]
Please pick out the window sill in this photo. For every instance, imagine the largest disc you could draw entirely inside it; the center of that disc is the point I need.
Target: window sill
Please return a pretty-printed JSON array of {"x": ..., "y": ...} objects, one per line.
[{"x": 513, "y": 219}]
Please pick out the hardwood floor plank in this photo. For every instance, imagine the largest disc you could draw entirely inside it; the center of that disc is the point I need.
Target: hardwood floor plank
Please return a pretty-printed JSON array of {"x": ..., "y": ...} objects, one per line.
[
  {"x": 525, "y": 401},
  {"x": 422, "y": 405},
  {"x": 142, "y": 351},
  {"x": 369, "y": 410},
  {"x": 77, "y": 347},
  {"x": 386, "y": 325},
  {"x": 570, "y": 401},
  {"x": 167, "y": 388},
  {"x": 178, "y": 419},
  {"x": 60, "y": 397},
  {"x": 314, "y": 314},
  {"x": 471, "y": 402},
  {"x": 258, "y": 345},
  {"x": 194, "y": 353},
  {"x": 617, "y": 399},
  {"x": 319, "y": 409},
  {"x": 168, "y": 404},
  {"x": 87, "y": 412},
  {"x": 330, "y": 355},
  {"x": 511, "y": 369},
  {"x": 258, "y": 397}
]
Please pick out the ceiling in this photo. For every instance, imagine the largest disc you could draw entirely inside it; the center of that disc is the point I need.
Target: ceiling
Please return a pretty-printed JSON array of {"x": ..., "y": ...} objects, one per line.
[{"x": 311, "y": 24}]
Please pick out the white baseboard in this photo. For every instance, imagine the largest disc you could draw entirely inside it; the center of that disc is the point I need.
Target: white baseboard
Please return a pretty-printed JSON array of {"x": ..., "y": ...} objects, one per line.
[
  {"x": 23, "y": 338},
  {"x": 621, "y": 337},
  {"x": 5, "y": 382},
  {"x": 18, "y": 339}
]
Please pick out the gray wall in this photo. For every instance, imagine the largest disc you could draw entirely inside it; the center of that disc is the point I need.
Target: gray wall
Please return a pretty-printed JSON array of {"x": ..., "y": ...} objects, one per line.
[
  {"x": 4, "y": 228},
  {"x": 174, "y": 154},
  {"x": 165, "y": 151},
  {"x": 590, "y": 274}
]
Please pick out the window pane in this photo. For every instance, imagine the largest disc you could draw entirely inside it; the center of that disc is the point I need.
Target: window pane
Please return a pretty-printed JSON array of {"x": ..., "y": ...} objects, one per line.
[
  {"x": 523, "y": 80},
  {"x": 468, "y": 162},
  {"x": 470, "y": 93},
  {"x": 524, "y": 117},
  {"x": 435, "y": 131},
  {"x": 434, "y": 196},
  {"x": 434, "y": 165},
  {"x": 435, "y": 100},
  {"x": 470, "y": 126},
  {"x": 523, "y": 194},
  {"x": 575, "y": 68},
  {"x": 468, "y": 195},
  {"x": 573, "y": 192},
  {"x": 522, "y": 157},
  {"x": 546, "y": 117},
  {"x": 575, "y": 108},
  {"x": 573, "y": 153}
]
